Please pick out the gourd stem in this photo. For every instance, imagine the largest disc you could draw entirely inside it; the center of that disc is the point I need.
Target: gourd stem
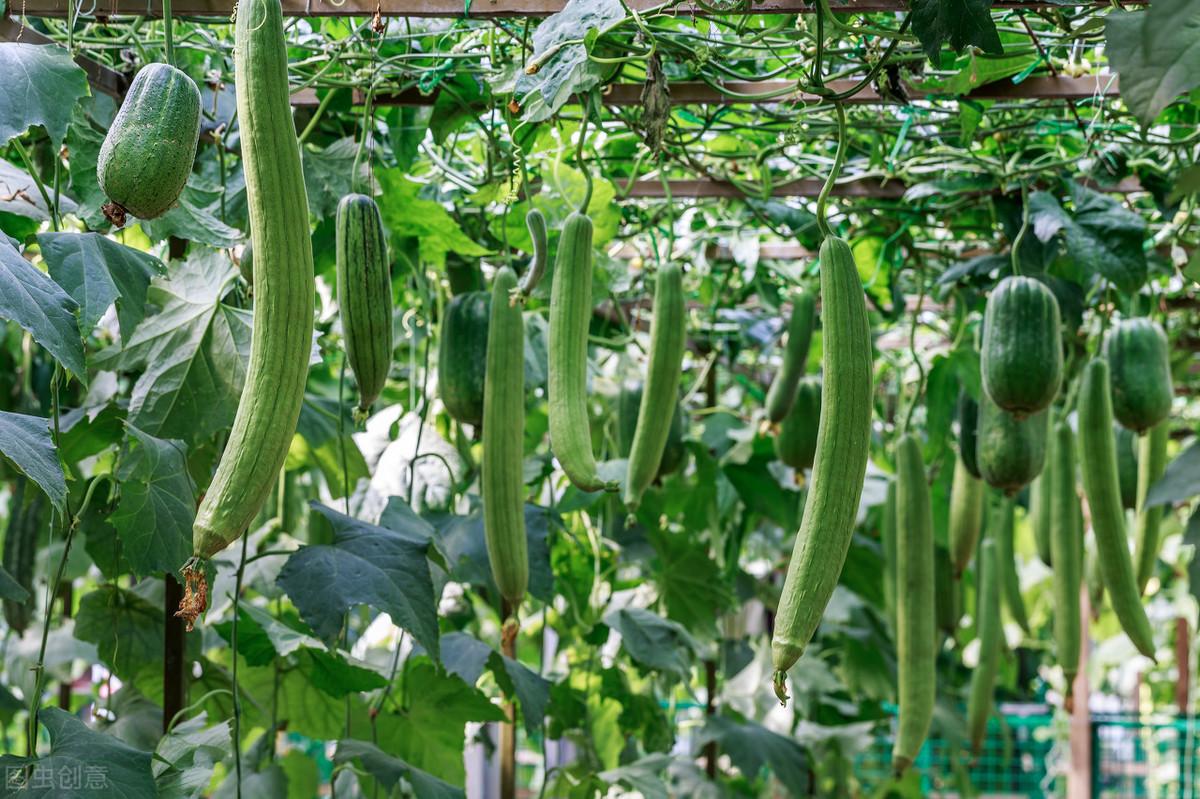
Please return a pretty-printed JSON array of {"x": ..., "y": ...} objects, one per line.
[
  {"x": 587, "y": 175},
  {"x": 166, "y": 9},
  {"x": 838, "y": 160}
]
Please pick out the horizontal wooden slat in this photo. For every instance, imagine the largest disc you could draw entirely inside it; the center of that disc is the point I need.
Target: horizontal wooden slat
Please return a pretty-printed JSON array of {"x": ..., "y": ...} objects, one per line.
[
  {"x": 481, "y": 9},
  {"x": 810, "y": 187},
  {"x": 102, "y": 78},
  {"x": 1041, "y": 87}
]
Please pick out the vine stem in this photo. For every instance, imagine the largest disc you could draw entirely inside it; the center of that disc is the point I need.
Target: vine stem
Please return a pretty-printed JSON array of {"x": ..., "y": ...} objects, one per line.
[
  {"x": 839, "y": 159},
  {"x": 237, "y": 697},
  {"x": 170, "y": 34},
  {"x": 912, "y": 347},
  {"x": 71, "y": 522},
  {"x": 587, "y": 175}
]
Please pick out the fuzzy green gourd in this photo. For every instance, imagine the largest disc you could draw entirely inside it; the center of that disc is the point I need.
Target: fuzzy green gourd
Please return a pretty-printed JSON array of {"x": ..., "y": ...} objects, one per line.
[
  {"x": 1140, "y": 373},
  {"x": 987, "y": 622},
  {"x": 502, "y": 479},
  {"x": 782, "y": 393},
  {"x": 1152, "y": 462},
  {"x": 1126, "y": 442},
  {"x": 916, "y": 616},
  {"x": 284, "y": 291},
  {"x": 966, "y": 515},
  {"x": 1021, "y": 355},
  {"x": 1066, "y": 550},
  {"x": 148, "y": 152},
  {"x": 968, "y": 432},
  {"x": 364, "y": 290},
  {"x": 570, "y": 315},
  {"x": 1010, "y": 451},
  {"x": 843, "y": 443},
  {"x": 629, "y": 403},
  {"x": 796, "y": 439},
  {"x": 462, "y": 355},
  {"x": 660, "y": 395},
  {"x": 1001, "y": 526},
  {"x": 1098, "y": 462}
]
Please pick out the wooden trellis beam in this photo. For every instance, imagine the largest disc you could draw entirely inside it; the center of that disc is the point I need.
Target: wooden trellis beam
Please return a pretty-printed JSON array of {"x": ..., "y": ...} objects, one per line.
[
  {"x": 479, "y": 9},
  {"x": 808, "y": 187},
  {"x": 102, "y": 78},
  {"x": 1041, "y": 87}
]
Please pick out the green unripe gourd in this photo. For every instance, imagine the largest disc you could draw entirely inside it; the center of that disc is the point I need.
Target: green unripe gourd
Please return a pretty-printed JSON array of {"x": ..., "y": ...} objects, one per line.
[
  {"x": 782, "y": 393},
  {"x": 887, "y": 536},
  {"x": 283, "y": 285},
  {"x": 1040, "y": 504},
  {"x": 246, "y": 264},
  {"x": 1011, "y": 451},
  {"x": 1152, "y": 462},
  {"x": 660, "y": 396},
  {"x": 796, "y": 440},
  {"x": 987, "y": 623},
  {"x": 843, "y": 442},
  {"x": 966, "y": 515},
  {"x": 1020, "y": 360},
  {"x": 364, "y": 287},
  {"x": 1021, "y": 357},
  {"x": 570, "y": 315},
  {"x": 1001, "y": 526},
  {"x": 916, "y": 633},
  {"x": 462, "y": 355},
  {"x": 1140, "y": 370},
  {"x": 949, "y": 593},
  {"x": 629, "y": 403},
  {"x": 535, "y": 221},
  {"x": 1127, "y": 465},
  {"x": 148, "y": 152},
  {"x": 1066, "y": 550},
  {"x": 20, "y": 550},
  {"x": 502, "y": 479},
  {"x": 968, "y": 431},
  {"x": 1098, "y": 462}
]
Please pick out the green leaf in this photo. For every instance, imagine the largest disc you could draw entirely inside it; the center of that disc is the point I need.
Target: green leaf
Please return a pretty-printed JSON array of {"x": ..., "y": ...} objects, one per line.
[
  {"x": 82, "y": 764},
  {"x": 461, "y": 540},
  {"x": 753, "y": 747},
  {"x": 12, "y": 590},
  {"x": 186, "y": 756},
  {"x": 41, "y": 86},
  {"x": 643, "y": 776},
  {"x": 690, "y": 583},
  {"x": 978, "y": 70},
  {"x": 157, "y": 506},
  {"x": 1180, "y": 481},
  {"x": 565, "y": 68},
  {"x": 390, "y": 771},
  {"x": 429, "y": 732},
  {"x": 329, "y": 175},
  {"x": 19, "y": 195},
  {"x": 193, "y": 352},
  {"x": 194, "y": 217},
  {"x": 960, "y": 23},
  {"x": 25, "y": 440},
  {"x": 39, "y": 305},
  {"x": 366, "y": 565},
  {"x": 98, "y": 272},
  {"x": 405, "y": 214},
  {"x": 654, "y": 642},
  {"x": 1187, "y": 183},
  {"x": 126, "y": 628},
  {"x": 83, "y": 147},
  {"x": 466, "y": 656},
  {"x": 1156, "y": 52},
  {"x": 1100, "y": 233}
]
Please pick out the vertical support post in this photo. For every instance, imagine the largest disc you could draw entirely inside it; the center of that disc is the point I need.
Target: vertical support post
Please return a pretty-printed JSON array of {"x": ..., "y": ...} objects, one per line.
[
  {"x": 710, "y": 709},
  {"x": 174, "y": 680},
  {"x": 1079, "y": 777},
  {"x": 67, "y": 594}
]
